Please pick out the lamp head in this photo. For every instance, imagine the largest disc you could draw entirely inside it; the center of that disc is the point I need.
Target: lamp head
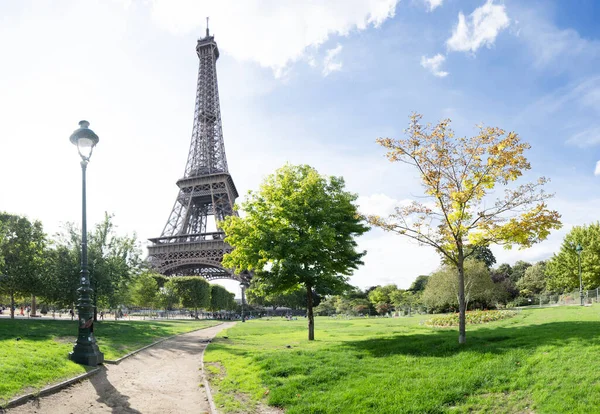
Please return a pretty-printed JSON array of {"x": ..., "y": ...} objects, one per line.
[
  {"x": 578, "y": 248},
  {"x": 85, "y": 139}
]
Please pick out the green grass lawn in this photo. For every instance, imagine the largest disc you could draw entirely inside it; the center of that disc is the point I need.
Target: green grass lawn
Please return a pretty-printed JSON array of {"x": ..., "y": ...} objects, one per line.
[
  {"x": 542, "y": 361},
  {"x": 39, "y": 358}
]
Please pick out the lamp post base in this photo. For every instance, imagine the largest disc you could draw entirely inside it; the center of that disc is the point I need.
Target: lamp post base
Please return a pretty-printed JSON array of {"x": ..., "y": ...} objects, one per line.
[{"x": 87, "y": 354}]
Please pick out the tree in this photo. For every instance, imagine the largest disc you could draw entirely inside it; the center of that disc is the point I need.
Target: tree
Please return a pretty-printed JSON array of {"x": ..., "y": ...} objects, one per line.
[
  {"x": 22, "y": 250},
  {"x": 219, "y": 298},
  {"x": 113, "y": 263},
  {"x": 144, "y": 291},
  {"x": 518, "y": 270},
  {"x": 485, "y": 255},
  {"x": 193, "y": 291},
  {"x": 168, "y": 295},
  {"x": 563, "y": 268},
  {"x": 458, "y": 175},
  {"x": 299, "y": 229},
  {"x": 534, "y": 280},
  {"x": 381, "y": 294},
  {"x": 506, "y": 289},
  {"x": 442, "y": 290},
  {"x": 263, "y": 294},
  {"x": 419, "y": 284}
]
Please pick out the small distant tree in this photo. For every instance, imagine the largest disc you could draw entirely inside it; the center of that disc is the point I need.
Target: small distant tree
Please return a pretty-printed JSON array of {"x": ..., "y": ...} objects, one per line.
[
  {"x": 534, "y": 280},
  {"x": 299, "y": 229},
  {"x": 22, "y": 257},
  {"x": 218, "y": 298},
  {"x": 168, "y": 295},
  {"x": 442, "y": 291},
  {"x": 193, "y": 291},
  {"x": 518, "y": 270},
  {"x": 419, "y": 284},
  {"x": 458, "y": 175},
  {"x": 144, "y": 291}
]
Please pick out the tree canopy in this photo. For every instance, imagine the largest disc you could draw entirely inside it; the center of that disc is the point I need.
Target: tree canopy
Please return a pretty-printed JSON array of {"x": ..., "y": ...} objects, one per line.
[
  {"x": 442, "y": 290},
  {"x": 299, "y": 229},
  {"x": 458, "y": 176},
  {"x": 563, "y": 268}
]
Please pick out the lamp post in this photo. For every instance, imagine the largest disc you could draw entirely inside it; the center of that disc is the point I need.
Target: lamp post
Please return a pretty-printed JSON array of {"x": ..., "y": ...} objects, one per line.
[
  {"x": 579, "y": 249},
  {"x": 243, "y": 285},
  {"x": 86, "y": 350}
]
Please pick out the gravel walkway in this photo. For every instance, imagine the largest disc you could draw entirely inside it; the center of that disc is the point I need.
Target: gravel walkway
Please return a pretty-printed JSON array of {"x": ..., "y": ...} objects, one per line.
[{"x": 165, "y": 379}]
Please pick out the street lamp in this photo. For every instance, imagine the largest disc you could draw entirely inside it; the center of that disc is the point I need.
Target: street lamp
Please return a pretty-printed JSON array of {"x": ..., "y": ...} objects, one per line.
[
  {"x": 244, "y": 286},
  {"x": 579, "y": 249},
  {"x": 86, "y": 350}
]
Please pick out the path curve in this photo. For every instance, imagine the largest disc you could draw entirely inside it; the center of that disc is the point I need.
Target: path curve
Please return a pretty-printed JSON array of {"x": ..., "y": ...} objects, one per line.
[{"x": 165, "y": 379}]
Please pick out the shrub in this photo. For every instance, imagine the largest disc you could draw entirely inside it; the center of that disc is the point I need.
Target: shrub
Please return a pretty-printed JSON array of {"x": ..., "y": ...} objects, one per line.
[{"x": 473, "y": 317}]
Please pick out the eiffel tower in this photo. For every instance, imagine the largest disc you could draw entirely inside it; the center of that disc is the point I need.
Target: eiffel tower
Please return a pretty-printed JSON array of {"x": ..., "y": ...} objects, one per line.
[{"x": 206, "y": 191}]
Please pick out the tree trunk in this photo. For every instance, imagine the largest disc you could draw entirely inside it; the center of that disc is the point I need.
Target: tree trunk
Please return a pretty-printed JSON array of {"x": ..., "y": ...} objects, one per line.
[
  {"x": 311, "y": 317},
  {"x": 12, "y": 305},
  {"x": 33, "y": 307},
  {"x": 462, "y": 306}
]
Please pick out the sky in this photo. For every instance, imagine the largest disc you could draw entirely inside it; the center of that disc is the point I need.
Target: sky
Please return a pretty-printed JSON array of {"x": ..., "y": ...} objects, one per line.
[{"x": 300, "y": 81}]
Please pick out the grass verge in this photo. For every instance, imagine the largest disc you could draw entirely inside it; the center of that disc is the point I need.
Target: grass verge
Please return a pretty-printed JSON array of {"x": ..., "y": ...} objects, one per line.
[
  {"x": 542, "y": 360},
  {"x": 39, "y": 357}
]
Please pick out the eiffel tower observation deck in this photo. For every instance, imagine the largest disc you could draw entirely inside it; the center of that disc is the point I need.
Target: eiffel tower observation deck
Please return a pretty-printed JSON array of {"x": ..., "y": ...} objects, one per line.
[{"x": 206, "y": 191}]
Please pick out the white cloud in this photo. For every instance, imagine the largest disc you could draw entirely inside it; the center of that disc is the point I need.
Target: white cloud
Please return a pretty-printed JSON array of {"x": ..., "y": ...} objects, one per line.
[
  {"x": 433, "y": 4},
  {"x": 379, "y": 204},
  {"x": 597, "y": 170},
  {"x": 482, "y": 28},
  {"x": 434, "y": 64},
  {"x": 329, "y": 63},
  {"x": 272, "y": 33}
]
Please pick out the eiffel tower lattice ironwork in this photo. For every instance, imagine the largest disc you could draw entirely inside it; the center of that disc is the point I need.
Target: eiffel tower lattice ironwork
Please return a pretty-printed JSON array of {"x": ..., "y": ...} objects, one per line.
[{"x": 206, "y": 191}]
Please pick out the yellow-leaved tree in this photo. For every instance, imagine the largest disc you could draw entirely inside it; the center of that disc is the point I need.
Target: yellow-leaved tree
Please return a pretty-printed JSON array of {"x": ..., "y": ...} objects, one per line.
[{"x": 457, "y": 213}]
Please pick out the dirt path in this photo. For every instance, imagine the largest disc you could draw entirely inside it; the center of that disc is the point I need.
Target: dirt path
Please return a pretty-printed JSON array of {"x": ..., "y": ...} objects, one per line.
[{"x": 162, "y": 379}]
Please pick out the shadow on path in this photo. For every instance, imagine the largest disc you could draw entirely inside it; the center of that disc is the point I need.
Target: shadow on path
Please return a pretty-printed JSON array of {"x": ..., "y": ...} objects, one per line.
[{"x": 109, "y": 395}]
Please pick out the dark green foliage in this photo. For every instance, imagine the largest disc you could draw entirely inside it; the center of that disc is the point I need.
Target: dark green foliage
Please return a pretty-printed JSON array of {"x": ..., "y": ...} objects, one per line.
[
  {"x": 483, "y": 254},
  {"x": 193, "y": 291},
  {"x": 22, "y": 256},
  {"x": 419, "y": 284}
]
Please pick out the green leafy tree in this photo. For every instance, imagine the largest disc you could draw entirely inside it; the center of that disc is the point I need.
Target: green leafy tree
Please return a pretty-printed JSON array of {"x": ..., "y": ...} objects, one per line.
[
  {"x": 485, "y": 255},
  {"x": 61, "y": 275},
  {"x": 327, "y": 306},
  {"x": 459, "y": 175},
  {"x": 518, "y": 270},
  {"x": 168, "y": 295},
  {"x": 263, "y": 294},
  {"x": 194, "y": 292},
  {"x": 22, "y": 250},
  {"x": 219, "y": 298},
  {"x": 419, "y": 284},
  {"x": 506, "y": 289},
  {"x": 563, "y": 268},
  {"x": 405, "y": 299},
  {"x": 381, "y": 294},
  {"x": 114, "y": 261},
  {"x": 299, "y": 229},
  {"x": 534, "y": 280},
  {"x": 144, "y": 292},
  {"x": 442, "y": 290}
]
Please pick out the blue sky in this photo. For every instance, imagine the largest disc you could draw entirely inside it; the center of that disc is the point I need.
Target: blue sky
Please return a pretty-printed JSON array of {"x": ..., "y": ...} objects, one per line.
[{"x": 302, "y": 82}]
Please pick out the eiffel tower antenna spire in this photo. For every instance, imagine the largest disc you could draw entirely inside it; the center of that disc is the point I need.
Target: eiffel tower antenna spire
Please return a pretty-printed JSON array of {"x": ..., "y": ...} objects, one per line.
[{"x": 188, "y": 244}]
